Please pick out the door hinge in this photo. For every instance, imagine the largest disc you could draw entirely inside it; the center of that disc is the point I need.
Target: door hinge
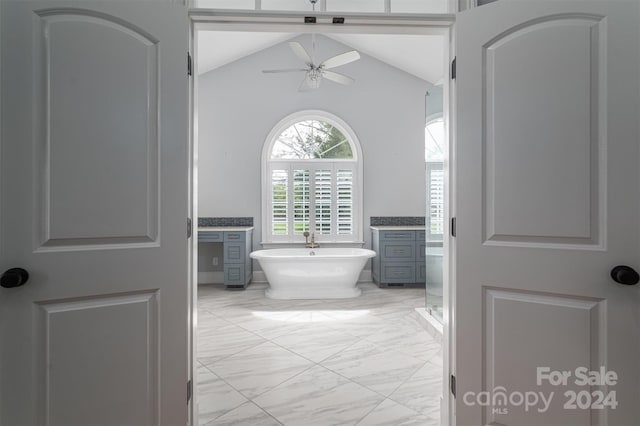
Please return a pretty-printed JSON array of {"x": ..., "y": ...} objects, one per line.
[
  {"x": 453, "y": 385},
  {"x": 189, "y": 228},
  {"x": 189, "y": 64},
  {"x": 189, "y": 390},
  {"x": 453, "y": 69},
  {"x": 453, "y": 226}
]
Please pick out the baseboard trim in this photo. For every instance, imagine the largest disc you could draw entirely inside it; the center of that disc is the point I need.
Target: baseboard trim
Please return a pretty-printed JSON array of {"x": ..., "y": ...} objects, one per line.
[{"x": 211, "y": 277}]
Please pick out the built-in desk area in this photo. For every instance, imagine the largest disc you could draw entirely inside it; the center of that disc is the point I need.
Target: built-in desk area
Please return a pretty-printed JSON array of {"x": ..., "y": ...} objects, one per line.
[{"x": 237, "y": 244}]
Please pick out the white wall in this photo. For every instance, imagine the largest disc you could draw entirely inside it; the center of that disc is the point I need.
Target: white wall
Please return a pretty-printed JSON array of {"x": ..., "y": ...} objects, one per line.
[{"x": 239, "y": 105}]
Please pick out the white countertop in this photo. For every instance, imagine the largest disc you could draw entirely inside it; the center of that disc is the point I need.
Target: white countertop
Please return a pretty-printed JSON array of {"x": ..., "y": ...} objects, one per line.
[
  {"x": 224, "y": 228},
  {"x": 399, "y": 228}
]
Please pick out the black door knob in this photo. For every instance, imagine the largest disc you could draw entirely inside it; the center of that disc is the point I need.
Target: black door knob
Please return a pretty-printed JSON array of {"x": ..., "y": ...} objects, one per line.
[
  {"x": 625, "y": 275},
  {"x": 14, "y": 277}
]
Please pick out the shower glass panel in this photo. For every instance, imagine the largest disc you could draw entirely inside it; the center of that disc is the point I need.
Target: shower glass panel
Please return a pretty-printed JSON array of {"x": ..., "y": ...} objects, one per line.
[{"x": 434, "y": 156}]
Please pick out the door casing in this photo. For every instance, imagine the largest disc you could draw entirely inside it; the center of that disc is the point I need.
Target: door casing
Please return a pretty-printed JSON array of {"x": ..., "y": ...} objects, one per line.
[{"x": 257, "y": 21}]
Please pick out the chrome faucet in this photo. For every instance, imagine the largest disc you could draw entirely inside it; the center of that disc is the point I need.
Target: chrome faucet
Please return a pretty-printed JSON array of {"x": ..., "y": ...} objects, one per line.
[{"x": 311, "y": 244}]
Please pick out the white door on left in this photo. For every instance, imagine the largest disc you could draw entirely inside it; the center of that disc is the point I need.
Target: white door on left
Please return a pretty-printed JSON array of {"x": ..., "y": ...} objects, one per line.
[{"x": 94, "y": 201}]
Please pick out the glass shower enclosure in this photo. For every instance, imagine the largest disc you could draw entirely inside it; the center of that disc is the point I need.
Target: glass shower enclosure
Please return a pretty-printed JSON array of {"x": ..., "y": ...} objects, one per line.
[{"x": 434, "y": 223}]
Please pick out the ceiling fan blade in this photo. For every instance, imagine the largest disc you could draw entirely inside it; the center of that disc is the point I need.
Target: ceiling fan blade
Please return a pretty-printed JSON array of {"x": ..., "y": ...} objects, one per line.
[
  {"x": 338, "y": 60},
  {"x": 300, "y": 52},
  {"x": 284, "y": 70},
  {"x": 338, "y": 78}
]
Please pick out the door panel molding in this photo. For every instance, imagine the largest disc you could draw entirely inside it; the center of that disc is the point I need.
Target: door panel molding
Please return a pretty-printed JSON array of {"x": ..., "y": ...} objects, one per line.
[
  {"x": 119, "y": 335},
  {"x": 76, "y": 164},
  {"x": 562, "y": 202},
  {"x": 519, "y": 328}
]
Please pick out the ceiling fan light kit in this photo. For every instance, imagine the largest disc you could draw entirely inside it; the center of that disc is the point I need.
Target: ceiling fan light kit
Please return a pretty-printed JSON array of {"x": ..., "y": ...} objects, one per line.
[{"x": 315, "y": 73}]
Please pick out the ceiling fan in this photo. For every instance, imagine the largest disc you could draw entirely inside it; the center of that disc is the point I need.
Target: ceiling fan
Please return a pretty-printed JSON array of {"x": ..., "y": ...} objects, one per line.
[{"x": 315, "y": 73}]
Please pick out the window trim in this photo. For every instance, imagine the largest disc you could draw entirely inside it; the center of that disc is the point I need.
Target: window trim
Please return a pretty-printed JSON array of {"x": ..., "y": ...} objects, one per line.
[{"x": 356, "y": 161}]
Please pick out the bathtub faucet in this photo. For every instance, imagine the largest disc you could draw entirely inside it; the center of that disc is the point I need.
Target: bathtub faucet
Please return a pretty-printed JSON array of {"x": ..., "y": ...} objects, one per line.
[{"x": 311, "y": 244}]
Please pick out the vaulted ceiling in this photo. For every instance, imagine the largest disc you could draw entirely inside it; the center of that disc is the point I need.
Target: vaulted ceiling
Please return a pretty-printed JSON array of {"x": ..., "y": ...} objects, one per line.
[{"x": 420, "y": 55}]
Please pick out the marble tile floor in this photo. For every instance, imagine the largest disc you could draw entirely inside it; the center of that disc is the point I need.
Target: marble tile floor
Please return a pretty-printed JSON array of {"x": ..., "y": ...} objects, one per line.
[{"x": 364, "y": 361}]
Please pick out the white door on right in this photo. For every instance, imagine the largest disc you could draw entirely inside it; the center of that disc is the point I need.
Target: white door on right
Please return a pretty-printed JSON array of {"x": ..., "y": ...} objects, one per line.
[{"x": 547, "y": 205}]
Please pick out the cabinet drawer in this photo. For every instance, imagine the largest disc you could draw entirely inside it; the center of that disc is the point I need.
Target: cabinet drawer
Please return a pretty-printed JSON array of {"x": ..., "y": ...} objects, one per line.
[
  {"x": 234, "y": 275},
  {"x": 210, "y": 236},
  {"x": 400, "y": 272},
  {"x": 397, "y": 251},
  {"x": 234, "y": 253},
  {"x": 234, "y": 236},
  {"x": 397, "y": 235}
]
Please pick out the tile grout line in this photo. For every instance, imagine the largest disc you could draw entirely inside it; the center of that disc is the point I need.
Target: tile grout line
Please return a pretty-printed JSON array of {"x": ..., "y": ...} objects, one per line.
[{"x": 228, "y": 384}]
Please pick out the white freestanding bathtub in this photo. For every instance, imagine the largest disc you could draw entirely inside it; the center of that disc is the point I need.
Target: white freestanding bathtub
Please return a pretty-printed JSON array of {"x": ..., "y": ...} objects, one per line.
[{"x": 319, "y": 273}]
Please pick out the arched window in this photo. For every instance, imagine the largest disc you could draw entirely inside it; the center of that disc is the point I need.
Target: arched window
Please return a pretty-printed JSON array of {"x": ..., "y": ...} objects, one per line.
[{"x": 312, "y": 180}]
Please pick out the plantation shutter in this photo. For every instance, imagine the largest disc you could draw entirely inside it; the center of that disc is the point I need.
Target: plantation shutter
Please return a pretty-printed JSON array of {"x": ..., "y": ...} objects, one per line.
[
  {"x": 301, "y": 201},
  {"x": 344, "y": 203},
  {"x": 435, "y": 199},
  {"x": 323, "y": 201},
  {"x": 315, "y": 197},
  {"x": 280, "y": 202}
]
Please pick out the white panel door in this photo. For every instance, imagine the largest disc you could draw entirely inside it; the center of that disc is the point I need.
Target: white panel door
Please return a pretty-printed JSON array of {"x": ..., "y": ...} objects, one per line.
[
  {"x": 547, "y": 205},
  {"x": 94, "y": 154}
]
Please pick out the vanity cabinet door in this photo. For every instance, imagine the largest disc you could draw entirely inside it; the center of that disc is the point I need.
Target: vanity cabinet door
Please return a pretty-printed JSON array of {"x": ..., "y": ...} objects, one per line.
[
  {"x": 421, "y": 250},
  {"x": 421, "y": 246},
  {"x": 421, "y": 272},
  {"x": 375, "y": 261}
]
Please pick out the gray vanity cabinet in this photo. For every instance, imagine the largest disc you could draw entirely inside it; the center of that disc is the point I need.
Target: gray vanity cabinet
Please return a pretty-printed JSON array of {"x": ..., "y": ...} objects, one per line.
[
  {"x": 400, "y": 260},
  {"x": 237, "y": 262},
  {"x": 237, "y": 245}
]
